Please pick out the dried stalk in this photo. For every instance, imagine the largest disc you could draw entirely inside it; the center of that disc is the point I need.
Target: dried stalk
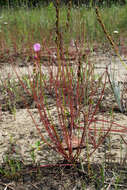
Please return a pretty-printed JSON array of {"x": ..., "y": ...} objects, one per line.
[{"x": 114, "y": 46}]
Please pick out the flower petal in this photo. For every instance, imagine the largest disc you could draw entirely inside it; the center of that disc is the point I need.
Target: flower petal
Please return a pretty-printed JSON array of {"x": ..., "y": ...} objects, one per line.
[{"x": 37, "y": 47}]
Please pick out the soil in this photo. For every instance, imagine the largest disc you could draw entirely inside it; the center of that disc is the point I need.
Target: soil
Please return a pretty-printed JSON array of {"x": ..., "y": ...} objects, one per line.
[{"x": 19, "y": 136}]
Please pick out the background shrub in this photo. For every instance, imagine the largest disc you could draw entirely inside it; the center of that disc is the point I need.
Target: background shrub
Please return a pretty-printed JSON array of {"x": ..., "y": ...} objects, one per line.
[{"x": 35, "y": 3}]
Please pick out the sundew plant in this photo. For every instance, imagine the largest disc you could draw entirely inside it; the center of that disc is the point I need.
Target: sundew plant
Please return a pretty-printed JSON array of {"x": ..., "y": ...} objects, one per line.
[
  {"x": 70, "y": 82},
  {"x": 75, "y": 127}
]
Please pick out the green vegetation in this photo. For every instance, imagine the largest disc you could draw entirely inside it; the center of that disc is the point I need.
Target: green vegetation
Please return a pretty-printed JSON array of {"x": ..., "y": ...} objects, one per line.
[{"x": 23, "y": 27}]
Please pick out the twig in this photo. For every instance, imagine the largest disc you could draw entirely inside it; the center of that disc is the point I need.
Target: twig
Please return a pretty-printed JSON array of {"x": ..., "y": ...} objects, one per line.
[
  {"x": 112, "y": 180},
  {"x": 34, "y": 186},
  {"x": 7, "y": 185}
]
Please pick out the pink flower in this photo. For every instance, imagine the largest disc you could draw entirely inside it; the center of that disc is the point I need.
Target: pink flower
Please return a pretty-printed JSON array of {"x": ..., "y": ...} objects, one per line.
[{"x": 37, "y": 47}]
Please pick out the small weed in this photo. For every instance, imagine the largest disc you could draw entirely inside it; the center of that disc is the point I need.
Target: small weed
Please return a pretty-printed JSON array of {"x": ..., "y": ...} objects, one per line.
[
  {"x": 11, "y": 168},
  {"x": 35, "y": 148}
]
